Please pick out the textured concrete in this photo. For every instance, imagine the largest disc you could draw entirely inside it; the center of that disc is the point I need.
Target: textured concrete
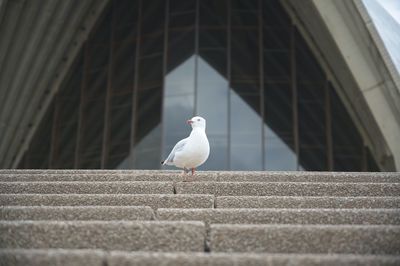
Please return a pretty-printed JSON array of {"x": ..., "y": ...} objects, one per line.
[
  {"x": 61, "y": 257},
  {"x": 77, "y": 213},
  {"x": 305, "y": 202},
  {"x": 288, "y": 189},
  {"x": 300, "y": 176},
  {"x": 87, "y": 187},
  {"x": 220, "y": 176},
  {"x": 283, "y": 216},
  {"x": 355, "y": 239},
  {"x": 110, "y": 235},
  {"x": 245, "y": 259},
  {"x": 52, "y": 257},
  {"x": 153, "y": 200}
]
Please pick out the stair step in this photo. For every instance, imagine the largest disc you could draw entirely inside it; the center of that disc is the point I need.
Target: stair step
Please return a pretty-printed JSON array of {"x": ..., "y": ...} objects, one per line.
[
  {"x": 117, "y": 258},
  {"x": 302, "y": 176},
  {"x": 67, "y": 257},
  {"x": 153, "y": 200},
  {"x": 87, "y": 187},
  {"x": 222, "y": 176},
  {"x": 77, "y": 213},
  {"x": 52, "y": 257},
  {"x": 108, "y": 235},
  {"x": 356, "y": 239},
  {"x": 288, "y": 189},
  {"x": 283, "y": 216},
  {"x": 305, "y": 202}
]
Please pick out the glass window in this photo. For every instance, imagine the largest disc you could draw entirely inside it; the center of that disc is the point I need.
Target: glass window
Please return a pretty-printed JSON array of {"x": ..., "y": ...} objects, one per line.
[
  {"x": 278, "y": 129},
  {"x": 311, "y": 93},
  {"x": 179, "y": 81},
  {"x": 136, "y": 83},
  {"x": 347, "y": 142}
]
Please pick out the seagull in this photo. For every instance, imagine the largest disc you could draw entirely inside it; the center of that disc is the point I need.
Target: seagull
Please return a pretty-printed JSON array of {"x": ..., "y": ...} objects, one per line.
[{"x": 192, "y": 151}]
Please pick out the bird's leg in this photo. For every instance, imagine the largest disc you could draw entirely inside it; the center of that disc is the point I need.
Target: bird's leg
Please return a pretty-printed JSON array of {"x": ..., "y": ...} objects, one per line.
[
  {"x": 193, "y": 169},
  {"x": 185, "y": 170}
]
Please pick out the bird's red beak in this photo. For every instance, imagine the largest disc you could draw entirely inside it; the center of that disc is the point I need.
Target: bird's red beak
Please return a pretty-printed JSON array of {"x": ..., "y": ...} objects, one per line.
[{"x": 189, "y": 122}]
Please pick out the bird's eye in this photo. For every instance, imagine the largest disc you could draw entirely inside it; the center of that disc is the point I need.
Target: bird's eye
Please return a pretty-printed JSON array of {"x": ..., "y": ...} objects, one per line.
[{"x": 198, "y": 119}]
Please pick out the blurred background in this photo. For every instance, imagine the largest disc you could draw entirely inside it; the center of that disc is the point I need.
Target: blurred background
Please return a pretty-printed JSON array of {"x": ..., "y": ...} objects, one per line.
[{"x": 284, "y": 85}]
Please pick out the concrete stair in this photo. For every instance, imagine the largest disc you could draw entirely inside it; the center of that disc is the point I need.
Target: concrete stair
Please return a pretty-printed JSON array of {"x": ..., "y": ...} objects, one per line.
[{"x": 121, "y": 217}]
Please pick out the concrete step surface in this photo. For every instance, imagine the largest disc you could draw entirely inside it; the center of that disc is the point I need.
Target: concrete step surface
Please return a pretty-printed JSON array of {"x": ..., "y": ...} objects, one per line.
[
  {"x": 108, "y": 235},
  {"x": 72, "y": 257},
  {"x": 306, "y": 202},
  {"x": 283, "y": 216},
  {"x": 147, "y": 217},
  {"x": 152, "y": 200},
  {"x": 177, "y": 176},
  {"x": 216, "y": 188},
  {"x": 73, "y": 213},
  {"x": 197, "y": 201},
  {"x": 288, "y": 189},
  {"x": 78, "y": 187},
  {"x": 232, "y": 216},
  {"x": 355, "y": 239}
]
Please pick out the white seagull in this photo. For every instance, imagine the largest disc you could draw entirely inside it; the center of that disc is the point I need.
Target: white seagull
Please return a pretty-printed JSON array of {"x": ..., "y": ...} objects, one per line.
[{"x": 192, "y": 151}]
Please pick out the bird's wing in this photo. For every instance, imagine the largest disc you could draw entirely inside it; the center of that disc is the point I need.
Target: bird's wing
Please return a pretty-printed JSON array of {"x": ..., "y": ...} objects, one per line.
[{"x": 178, "y": 147}]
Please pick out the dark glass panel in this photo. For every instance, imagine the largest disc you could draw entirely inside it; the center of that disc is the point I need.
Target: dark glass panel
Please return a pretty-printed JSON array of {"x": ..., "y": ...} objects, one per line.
[
  {"x": 308, "y": 68},
  {"x": 124, "y": 68},
  {"x": 67, "y": 104},
  {"x": 101, "y": 33},
  {"x": 212, "y": 104},
  {"x": 180, "y": 48},
  {"x": 216, "y": 58},
  {"x": 96, "y": 60},
  {"x": 213, "y": 13},
  {"x": 245, "y": 129},
  {"x": 122, "y": 83},
  {"x": 372, "y": 166},
  {"x": 279, "y": 140},
  {"x": 182, "y": 20},
  {"x": 347, "y": 142},
  {"x": 250, "y": 92},
  {"x": 244, "y": 55},
  {"x": 274, "y": 14},
  {"x": 312, "y": 128},
  {"x": 212, "y": 84},
  {"x": 38, "y": 154},
  {"x": 311, "y": 92},
  {"x": 152, "y": 44},
  {"x": 98, "y": 57},
  {"x": 147, "y": 148},
  {"x": 179, "y": 6},
  {"x": 125, "y": 13},
  {"x": 244, "y": 18},
  {"x": 276, "y": 38},
  {"x": 179, "y": 87},
  {"x": 125, "y": 20},
  {"x": 153, "y": 17},
  {"x": 212, "y": 39},
  {"x": 96, "y": 84},
  {"x": 245, "y": 110},
  {"x": 150, "y": 72},
  {"x": 244, "y": 4},
  {"x": 277, "y": 66},
  {"x": 147, "y": 136}
]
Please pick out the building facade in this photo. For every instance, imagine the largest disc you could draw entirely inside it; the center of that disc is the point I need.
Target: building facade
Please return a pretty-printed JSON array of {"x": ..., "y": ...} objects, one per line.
[{"x": 250, "y": 68}]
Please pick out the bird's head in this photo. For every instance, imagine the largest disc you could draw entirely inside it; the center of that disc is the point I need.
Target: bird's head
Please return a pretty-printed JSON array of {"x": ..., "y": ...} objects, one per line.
[{"x": 197, "y": 122}]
